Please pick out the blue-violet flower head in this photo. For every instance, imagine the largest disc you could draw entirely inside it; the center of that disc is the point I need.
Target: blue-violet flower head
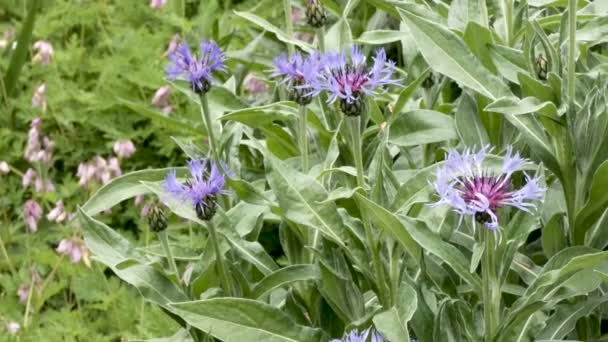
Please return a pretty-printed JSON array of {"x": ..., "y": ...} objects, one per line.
[
  {"x": 198, "y": 71},
  {"x": 296, "y": 72},
  {"x": 356, "y": 336},
  {"x": 201, "y": 190},
  {"x": 472, "y": 190},
  {"x": 350, "y": 79}
]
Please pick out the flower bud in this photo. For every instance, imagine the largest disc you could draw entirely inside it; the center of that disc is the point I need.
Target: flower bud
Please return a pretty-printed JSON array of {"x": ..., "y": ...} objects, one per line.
[
  {"x": 315, "y": 13},
  {"x": 205, "y": 211},
  {"x": 354, "y": 107},
  {"x": 157, "y": 219},
  {"x": 540, "y": 66}
]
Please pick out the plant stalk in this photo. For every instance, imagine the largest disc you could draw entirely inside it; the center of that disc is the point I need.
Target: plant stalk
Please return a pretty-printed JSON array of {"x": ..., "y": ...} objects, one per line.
[
  {"x": 219, "y": 260},
  {"x": 571, "y": 50},
  {"x": 5, "y": 254},
  {"x": 206, "y": 114},
  {"x": 303, "y": 139},
  {"x": 491, "y": 290},
  {"x": 507, "y": 8},
  {"x": 164, "y": 241},
  {"x": 288, "y": 25},
  {"x": 321, "y": 38},
  {"x": 354, "y": 123}
]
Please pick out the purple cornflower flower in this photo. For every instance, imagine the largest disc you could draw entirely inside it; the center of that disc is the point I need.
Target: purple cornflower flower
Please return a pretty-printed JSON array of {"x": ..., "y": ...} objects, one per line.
[
  {"x": 464, "y": 184},
  {"x": 198, "y": 72},
  {"x": 356, "y": 336},
  {"x": 202, "y": 190},
  {"x": 296, "y": 73},
  {"x": 350, "y": 79}
]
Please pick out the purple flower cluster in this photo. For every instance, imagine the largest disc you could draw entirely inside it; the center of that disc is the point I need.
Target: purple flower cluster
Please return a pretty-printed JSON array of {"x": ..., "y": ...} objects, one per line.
[
  {"x": 201, "y": 190},
  {"x": 356, "y": 336},
  {"x": 298, "y": 73},
  {"x": 98, "y": 169},
  {"x": 346, "y": 78},
  {"x": 197, "y": 71},
  {"x": 471, "y": 190},
  {"x": 350, "y": 79}
]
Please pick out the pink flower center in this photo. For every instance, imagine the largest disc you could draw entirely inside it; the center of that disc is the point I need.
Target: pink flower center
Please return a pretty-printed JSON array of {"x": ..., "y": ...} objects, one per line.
[{"x": 494, "y": 189}]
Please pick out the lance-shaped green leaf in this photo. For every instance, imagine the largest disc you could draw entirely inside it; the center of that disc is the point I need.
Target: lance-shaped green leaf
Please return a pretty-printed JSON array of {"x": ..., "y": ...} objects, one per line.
[
  {"x": 114, "y": 251},
  {"x": 388, "y": 222},
  {"x": 468, "y": 123},
  {"x": 239, "y": 319},
  {"x": 515, "y": 106},
  {"x": 380, "y": 37},
  {"x": 392, "y": 323},
  {"x": 432, "y": 243},
  {"x": 125, "y": 187},
  {"x": 596, "y": 205},
  {"x": 257, "y": 117},
  {"x": 563, "y": 320},
  {"x": 283, "y": 277},
  {"x": 163, "y": 120},
  {"x": 420, "y": 127},
  {"x": 282, "y": 36},
  {"x": 447, "y": 53},
  {"x": 251, "y": 251},
  {"x": 301, "y": 198}
]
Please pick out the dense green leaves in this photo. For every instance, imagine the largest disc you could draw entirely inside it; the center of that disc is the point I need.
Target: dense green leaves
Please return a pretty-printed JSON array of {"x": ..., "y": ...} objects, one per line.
[{"x": 236, "y": 319}]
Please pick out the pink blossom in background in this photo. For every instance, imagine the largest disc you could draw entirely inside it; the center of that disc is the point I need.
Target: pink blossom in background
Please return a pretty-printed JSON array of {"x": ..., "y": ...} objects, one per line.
[
  {"x": 98, "y": 169},
  {"x": 4, "y": 169},
  {"x": 124, "y": 148},
  {"x": 39, "y": 97},
  {"x": 31, "y": 177},
  {"x": 23, "y": 292},
  {"x": 7, "y": 37},
  {"x": 35, "y": 150},
  {"x": 305, "y": 37},
  {"x": 114, "y": 167},
  {"x": 254, "y": 85},
  {"x": 28, "y": 177},
  {"x": 13, "y": 327},
  {"x": 32, "y": 212},
  {"x": 161, "y": 99},
  {"x": 58, "y": 213},
  {"x": 158, "y": 4},
  {"x": 75, "y": 249},
  {"x": 145, "y": 210},
  {"x": 44, "y": 51},
  {"x": 297, "y": 15},
  {"x": 176, "y": 40},
  {"x": 139, "y": 200},
  {"x": 86, "y": 173}
]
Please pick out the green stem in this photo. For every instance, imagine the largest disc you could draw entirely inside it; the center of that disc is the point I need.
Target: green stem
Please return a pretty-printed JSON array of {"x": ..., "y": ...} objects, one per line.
[
  {"x": 491, "y": 290},
  {"x": 206, "y": 114},
  {"x": 303, "y": 137},
  {"x": 508, "y": 12},
  {"x": 28, "y": 305},
  {"x": 214, "y": 145},
  {"x": 5, "y": 254},
  {"x": 227, "y": 4},
  {"x": 288, "y": 25},
  {"x": 571, "y": 50},
  {"x": 219, "y": 260},
  {"x": 383, "y": 291},
  {"x": 164, "y": 241},
  {"x": 321, "y": 38},
  {"x": 354, "y": 123}
]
